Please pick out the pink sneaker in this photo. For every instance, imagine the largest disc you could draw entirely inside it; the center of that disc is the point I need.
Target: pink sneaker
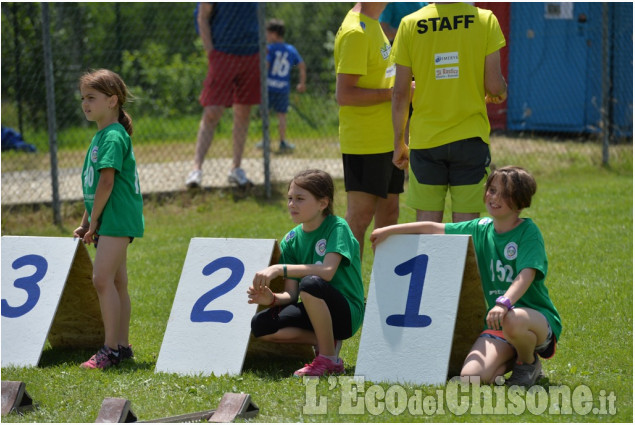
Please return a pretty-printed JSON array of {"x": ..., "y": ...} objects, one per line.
[
  {"x": 321, "y": 366},
  {"x": 103, "y": 359}
]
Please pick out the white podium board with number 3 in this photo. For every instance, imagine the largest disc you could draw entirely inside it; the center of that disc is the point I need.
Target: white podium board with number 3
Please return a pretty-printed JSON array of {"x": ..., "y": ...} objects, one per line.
[
  {"x": 424, "y": 310},
  {"x": 47, "y": 292},
  {"x": 210, "y": 323}
]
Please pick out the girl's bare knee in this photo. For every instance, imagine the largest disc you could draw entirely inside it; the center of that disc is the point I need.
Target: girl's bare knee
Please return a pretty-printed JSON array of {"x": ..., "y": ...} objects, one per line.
[
  {"x": 513, "y": 325},
  {"x": 100, "y": 283},
  {"x": 471, "y": 370},
  {"x": 121, "y": 284}
]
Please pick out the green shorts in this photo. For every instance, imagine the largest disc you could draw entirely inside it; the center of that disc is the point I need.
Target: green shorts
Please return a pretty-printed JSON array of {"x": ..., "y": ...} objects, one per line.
[{"x": 462, "y": 167}]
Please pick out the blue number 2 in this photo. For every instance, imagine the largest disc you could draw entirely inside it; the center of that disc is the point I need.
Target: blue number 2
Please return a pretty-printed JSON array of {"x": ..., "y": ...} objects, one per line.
[
  {"x": 416, "y": 267},
  {"x": 28, "y": 283},
  {"x": 237, "y": 268}
]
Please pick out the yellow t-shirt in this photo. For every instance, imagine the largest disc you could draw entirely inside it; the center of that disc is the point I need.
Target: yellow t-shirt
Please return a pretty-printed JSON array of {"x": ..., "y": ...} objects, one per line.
[
  {"x": 361, "y": 48},
  {"x": 445, "y": 45}
]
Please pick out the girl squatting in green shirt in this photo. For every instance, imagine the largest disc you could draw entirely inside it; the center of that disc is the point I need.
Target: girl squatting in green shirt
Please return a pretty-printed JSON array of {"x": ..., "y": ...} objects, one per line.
[
  {"x": 320, "y": 264},
  {"x": 521, "y": 321},
  {"x": 114, "y": 208}
]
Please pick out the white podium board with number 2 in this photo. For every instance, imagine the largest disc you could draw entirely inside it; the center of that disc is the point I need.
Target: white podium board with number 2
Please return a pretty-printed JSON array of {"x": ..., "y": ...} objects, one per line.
[
  {"x": 210, "y": 323},
  {"x": 47, "y": 292},
  {"x": 424, "y": 310}
]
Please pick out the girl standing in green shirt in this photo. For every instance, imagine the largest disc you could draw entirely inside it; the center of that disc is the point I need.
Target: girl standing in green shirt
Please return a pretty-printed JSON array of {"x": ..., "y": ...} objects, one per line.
[{"x": 114, "y": 208}]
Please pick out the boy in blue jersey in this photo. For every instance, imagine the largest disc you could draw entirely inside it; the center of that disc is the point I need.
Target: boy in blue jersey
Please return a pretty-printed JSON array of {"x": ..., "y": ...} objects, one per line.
[{"x": 281, "y": 57}]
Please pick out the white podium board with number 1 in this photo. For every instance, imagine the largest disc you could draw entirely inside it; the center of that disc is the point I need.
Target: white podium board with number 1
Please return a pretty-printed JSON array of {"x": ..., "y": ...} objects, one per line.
[
  {"x": 424, "y": 310},
  {"x": 210, "y": 323}
]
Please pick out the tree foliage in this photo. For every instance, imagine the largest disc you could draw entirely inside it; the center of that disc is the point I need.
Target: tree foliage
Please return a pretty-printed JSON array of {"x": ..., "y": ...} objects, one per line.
[{"x": 153, "y": 45}]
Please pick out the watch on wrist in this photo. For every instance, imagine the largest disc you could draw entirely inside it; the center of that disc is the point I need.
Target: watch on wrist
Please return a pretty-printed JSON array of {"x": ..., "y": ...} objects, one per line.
[{"x": 505, "y": 302}]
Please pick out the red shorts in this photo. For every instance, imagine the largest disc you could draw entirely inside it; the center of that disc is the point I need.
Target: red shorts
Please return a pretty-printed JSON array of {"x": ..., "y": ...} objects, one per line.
[{"x": 231, "y": 79}]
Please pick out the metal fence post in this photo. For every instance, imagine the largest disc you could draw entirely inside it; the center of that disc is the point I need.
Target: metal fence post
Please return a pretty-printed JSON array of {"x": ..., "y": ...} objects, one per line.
[
  {"x": 606, "y": 84},
  {"x": 264, "y": 98},
  {"x": 16, "y": 58},
  {"x": 50, "y": 111}
]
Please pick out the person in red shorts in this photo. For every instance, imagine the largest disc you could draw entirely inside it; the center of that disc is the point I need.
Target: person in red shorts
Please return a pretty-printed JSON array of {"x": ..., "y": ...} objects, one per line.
[{"x": 229, "y": 32}]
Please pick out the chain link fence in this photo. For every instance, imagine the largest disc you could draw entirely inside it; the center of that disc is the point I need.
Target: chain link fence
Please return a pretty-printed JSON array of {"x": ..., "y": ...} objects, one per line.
[{"x": 569, "y": 67}]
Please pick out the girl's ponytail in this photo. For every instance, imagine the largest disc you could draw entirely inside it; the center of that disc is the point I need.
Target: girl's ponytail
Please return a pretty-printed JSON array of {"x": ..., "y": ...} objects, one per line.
[{"x": 126, "y": 120}]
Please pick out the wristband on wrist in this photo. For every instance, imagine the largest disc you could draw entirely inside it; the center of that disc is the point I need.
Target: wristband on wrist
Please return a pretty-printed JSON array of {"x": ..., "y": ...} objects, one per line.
[
  {"x": 505, "y": 302},
  {"x": 284, "y": 270},
  {"x": 273, "y": 301}
]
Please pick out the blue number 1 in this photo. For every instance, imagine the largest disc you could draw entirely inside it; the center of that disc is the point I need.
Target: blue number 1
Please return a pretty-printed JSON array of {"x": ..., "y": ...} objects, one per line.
[
  {"x": 28, "y": 283},
  {"x": 237, "y": 269},
  {"x": 416, "y": 267}
]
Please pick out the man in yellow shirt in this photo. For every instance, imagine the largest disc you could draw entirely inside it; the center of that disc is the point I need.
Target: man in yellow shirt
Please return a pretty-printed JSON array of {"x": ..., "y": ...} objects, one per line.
[
  {"x": 365, "y": 76},
  {"x": 452, "y": 49}
]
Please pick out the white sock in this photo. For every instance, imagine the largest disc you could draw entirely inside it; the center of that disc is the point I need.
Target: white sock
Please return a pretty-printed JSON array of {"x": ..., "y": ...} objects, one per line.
[
  {"x": 338, "y": 347},
  {"x": 331, "y": 358}
]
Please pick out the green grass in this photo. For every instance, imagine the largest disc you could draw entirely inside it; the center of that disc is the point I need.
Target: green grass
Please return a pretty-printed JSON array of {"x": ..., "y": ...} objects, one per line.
[{"x": 586, "y": 216}]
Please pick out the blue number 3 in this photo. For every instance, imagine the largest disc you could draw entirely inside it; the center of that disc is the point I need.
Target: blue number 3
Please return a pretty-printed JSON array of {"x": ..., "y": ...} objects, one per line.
[
  {"x": 28, "y": 283},
  {"x": 237, "y": 268}
]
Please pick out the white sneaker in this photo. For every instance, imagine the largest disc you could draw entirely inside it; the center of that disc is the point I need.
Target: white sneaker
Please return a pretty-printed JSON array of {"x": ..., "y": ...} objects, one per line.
[
  {"x": 194, "y": 179},
  {"x": 238, "y": 176}
]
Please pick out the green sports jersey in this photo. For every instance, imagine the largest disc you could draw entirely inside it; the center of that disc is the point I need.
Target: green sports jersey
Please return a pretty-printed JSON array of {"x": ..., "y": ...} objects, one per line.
[
  {"x": 333, "y": 235},
  {"x": 123, "y": 214},
  {"x": 502, "y": 256},
  {"x": 445, "y": 45},
  {"x": 361, "y": 48}
]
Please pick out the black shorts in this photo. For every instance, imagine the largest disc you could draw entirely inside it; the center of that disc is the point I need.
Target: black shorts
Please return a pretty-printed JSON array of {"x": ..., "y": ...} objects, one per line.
[
  {"x": 372, "y": 173},
  {"x": 459, "y": 163},
  {"x": 271, "y": 320},
  {"x": 96, "y": 238}
]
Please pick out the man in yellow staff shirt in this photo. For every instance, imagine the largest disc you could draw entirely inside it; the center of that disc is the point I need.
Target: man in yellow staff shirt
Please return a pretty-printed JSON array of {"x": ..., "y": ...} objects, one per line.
[
  {"x": 452, "y": 49},
  {"x": 365, "y": 77}
]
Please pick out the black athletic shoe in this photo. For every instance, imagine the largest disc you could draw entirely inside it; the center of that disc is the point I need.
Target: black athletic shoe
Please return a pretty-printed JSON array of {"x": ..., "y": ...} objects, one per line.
[{"x": 125, "y": 352}]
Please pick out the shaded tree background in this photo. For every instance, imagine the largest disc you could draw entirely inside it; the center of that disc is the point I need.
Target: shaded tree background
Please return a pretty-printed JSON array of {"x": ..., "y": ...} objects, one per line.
[{"x": 154, "y": 45}]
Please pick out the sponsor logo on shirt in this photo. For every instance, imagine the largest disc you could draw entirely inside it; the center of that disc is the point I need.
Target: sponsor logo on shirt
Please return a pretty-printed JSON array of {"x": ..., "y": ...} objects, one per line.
[
  {"x": 276, "y": 84},
  {"x": 484, "y": 221},
  {"x": 93, "y": 154},
  {"x": 320, "y": 247},
  {"x": 446, "y": 58},
  {"x": 391, "y": 71},
  {"x": 447, "y": 73},
  {"x": 511, "y": 251},
  {"x": 290, "y": 236},
  {"x": 385, "y": 51},
  {"x": 363, "y": 25}
]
